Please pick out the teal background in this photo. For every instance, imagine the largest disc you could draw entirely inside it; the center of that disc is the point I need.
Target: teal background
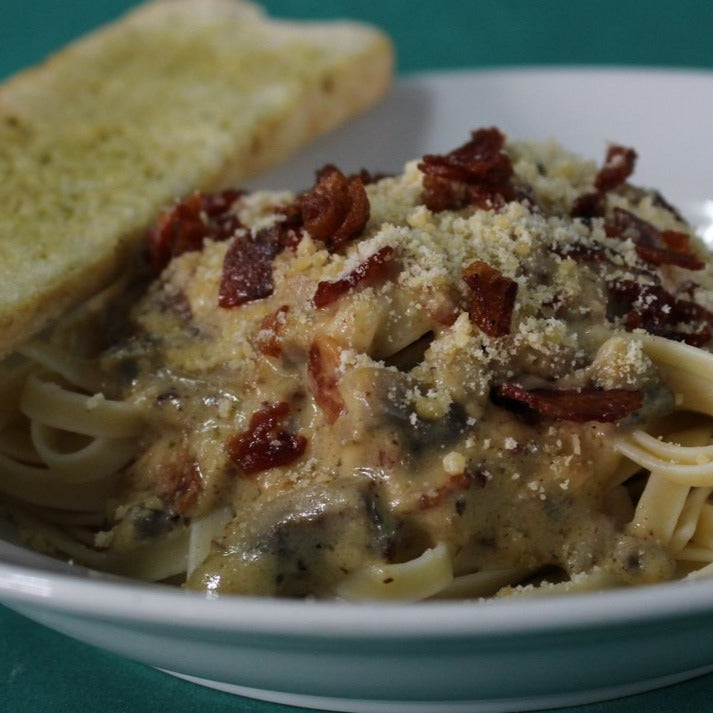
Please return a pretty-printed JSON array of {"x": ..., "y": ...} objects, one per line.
[
  {"x": 437, "y": 33},
  {"x": 42, "y": 671}
]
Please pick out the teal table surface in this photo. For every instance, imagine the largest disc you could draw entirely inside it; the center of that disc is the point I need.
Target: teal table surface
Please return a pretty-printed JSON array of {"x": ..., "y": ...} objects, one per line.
[{"x": 43, "y": 671}]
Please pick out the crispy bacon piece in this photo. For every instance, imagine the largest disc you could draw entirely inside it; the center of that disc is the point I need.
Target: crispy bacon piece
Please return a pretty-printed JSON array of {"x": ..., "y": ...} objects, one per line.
[
  {"x": 186, "y": 225},
  {"x": 378, "y": 266},
  {"x": 652, "y": 308},
  {"x": 661, "y": 256},
  {"x": 289, "y": 229},
  {"x": 493, "y": 298},
  {"x": 336, "y": 209},
  {"x": 667, "y": 247},
  {"x": 479, "y": 173},
  {"x": 618, "y": 166},
  {"x": 323, "y": 370},
  {"x": 266, "y": 444},
  {"x": 247, "y": 266},
  {"x": 247, "y": 269},
  {"x": 588, "y": 205},
  {"x": 568, "y": 404},
  {"x": 676, "y": 240},
  {"x": 271, "y": 329}
]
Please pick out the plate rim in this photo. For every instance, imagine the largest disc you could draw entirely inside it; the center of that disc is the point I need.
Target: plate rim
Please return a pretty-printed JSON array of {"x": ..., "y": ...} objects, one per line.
[
  {"x": 562, "y": 69},
  {"x": 129, "y": 601}
]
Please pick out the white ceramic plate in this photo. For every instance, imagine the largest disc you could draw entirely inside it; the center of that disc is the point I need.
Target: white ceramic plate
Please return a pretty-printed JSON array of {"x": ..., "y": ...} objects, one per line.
[{"x": 462, "y": 656}]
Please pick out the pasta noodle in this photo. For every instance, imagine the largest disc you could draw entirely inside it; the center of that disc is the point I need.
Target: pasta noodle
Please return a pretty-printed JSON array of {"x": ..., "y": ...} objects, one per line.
[
  {"x": 488, "y": 376},
  {"x": 203, "y": 531},
  {"x": 419, "y": 578}
]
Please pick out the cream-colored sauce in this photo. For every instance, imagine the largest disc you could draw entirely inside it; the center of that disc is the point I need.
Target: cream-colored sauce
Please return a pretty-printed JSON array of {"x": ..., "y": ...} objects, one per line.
[{"x": 419, "y": 454}]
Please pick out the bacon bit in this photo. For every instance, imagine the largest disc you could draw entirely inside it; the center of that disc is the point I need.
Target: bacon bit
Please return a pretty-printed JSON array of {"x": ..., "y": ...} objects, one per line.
[
  {"x": 323, "y": 370},
  {"x": 569, "y": 404},
  {"x": 377, "y": 267},
  {"x": 676, "y": 240},
  {"x": 336, "y": 209},
  {"x": 265, "y": 444},
  {"x": 185, "y": 226},
  {"x": 587, "y": 206},
  {"x": 247, "y": 269},
  {"x": 493, "y": 298},
  {"x": 478, "y": 173},
  {"x": 660, "y": 256},
  {"x": 247, "y": 266},
  {"x": 271, "y": 329},
  {"x": 179, "y": 481},
  {"x": 652, "y": 308},
  {"x": 652, "y": 245},
  {"x": 289, "y": 229},
  {"x": 618, "y": 166}
]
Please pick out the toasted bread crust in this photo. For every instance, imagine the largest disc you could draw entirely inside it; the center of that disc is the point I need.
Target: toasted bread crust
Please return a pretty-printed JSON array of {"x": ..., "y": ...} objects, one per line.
[{"x": 176, "y": 96}]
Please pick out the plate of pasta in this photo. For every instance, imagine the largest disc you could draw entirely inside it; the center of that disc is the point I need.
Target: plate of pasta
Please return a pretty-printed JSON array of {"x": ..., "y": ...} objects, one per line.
[{"x": 435, "y": 410}]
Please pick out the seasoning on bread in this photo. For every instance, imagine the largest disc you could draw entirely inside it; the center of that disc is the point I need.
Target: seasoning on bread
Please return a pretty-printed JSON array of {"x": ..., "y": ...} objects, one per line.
[{"x": 179, "y": 95}]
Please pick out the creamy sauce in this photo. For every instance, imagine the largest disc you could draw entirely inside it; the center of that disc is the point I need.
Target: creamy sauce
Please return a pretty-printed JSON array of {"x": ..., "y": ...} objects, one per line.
[{"x": 397, "y": 441}]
